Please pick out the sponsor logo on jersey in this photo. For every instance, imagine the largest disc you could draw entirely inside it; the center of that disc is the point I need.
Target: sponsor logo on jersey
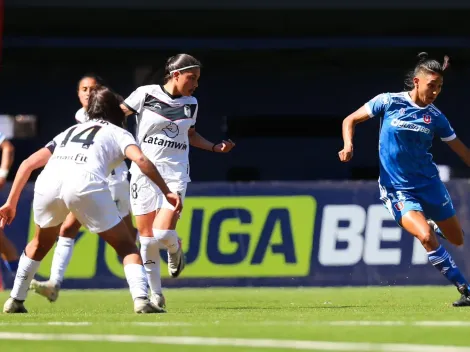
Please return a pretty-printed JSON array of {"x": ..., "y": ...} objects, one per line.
[
  {"x": 77, "y": 158},
  {"x": 171, "y": 130},
  {"x": 410, "y": 126},
  {"x": 165, "y": 142}
]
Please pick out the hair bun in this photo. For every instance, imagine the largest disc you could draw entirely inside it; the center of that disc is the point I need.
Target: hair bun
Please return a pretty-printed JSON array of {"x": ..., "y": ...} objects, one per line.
[{"x": 423, "y": 56}]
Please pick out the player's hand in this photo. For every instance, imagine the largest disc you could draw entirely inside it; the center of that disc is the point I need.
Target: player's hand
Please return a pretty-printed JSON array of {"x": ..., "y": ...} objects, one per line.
[
  {"x": 346, "y": 154},
  {"x": 3, "y": 181},
  {"x": 175, "y": 200},
  {"x": 224, "y": 146},
  {"x": 7, "y": 214}
]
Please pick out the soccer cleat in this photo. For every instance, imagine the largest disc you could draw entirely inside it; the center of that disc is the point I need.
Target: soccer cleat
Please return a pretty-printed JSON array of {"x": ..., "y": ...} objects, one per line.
[
  {"x": 436, "y": 229},
  {"x": 464, "y": 300},
  {"x": 46, "y": 288},
  {"x": 176, "y": 261},
  {"x": 159, "y": 300},
  {"x": 14, "y": 306},
  {"x": 144, "y": 306}
]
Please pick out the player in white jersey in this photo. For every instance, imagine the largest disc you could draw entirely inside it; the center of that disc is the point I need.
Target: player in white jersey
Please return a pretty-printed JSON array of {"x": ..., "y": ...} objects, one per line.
[
  {"x": 79, "y": 161},
  {"x": 119, "y": 187},
  {"x": 166, "y": 118}
]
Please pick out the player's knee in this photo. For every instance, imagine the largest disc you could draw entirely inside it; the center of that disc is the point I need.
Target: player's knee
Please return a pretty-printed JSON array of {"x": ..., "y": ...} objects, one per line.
[
  {"x": 458, "y": 239},
  {"x": 37, "y": 250},
  {"x": 124, "y": 249},
  {"x": 69, "y": 231},
  {"x": 427, "y": 239}
]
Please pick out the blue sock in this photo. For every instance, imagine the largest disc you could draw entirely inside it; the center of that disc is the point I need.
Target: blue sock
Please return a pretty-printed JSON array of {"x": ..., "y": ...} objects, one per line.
[
  {"x": 443, "y": 262},
  {"x": 12, "y": 266}
]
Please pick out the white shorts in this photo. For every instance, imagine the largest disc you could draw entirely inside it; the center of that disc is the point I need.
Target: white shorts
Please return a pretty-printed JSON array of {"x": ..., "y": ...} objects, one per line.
[
  {"x": 146, "y": 197},
  {"x": 120, "y": 195},
  {"x": 86, "y": 196}
]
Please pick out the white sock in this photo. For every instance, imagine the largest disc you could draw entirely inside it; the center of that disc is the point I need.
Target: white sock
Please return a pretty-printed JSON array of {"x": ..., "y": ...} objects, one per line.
[
  {"x": 169, "y": 238},
  {"x": 27, "y": 268},
  {"x": 137, "y": 280},
  {"x": 150, "y": 252},
  {"x": 62, "y": 255}
]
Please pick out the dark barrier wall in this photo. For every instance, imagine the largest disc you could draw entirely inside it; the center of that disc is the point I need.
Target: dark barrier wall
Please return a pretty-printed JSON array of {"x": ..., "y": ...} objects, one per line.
[
  {"x": 244, "y": 4},
  {"x": 275, "y": 234}
]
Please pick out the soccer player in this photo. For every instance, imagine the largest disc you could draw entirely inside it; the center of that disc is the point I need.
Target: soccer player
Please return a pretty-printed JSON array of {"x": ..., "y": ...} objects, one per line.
[
  {"x": 8, "y": 251},
  {"x": 119, "y": 187},
  {"x": 79, "y": 161},
  {"x": 410, "y": 187},
  {"x": 166, "y": 118}
]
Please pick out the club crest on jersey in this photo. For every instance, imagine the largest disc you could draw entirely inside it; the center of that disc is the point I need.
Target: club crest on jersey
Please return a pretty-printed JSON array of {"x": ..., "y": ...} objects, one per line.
[
  {"x": 401, "y": 112},
  {"x": 427, "y": 119},
  {"x": 187, "y": 111},
  {"x": 171, "y": 130},
  {"x": 399, "y": 206}
]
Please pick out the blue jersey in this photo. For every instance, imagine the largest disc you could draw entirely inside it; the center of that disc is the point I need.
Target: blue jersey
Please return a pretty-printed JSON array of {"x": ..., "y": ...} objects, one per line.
[
  {"x": 2, "y": 137},
  {"x": 406, "y": 136}
]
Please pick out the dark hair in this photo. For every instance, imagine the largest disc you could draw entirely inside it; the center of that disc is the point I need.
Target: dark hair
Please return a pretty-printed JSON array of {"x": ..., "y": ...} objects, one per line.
[
  {"x": 103, "y": 104},
  {"x": 425, "y": 64},
  {"x": 100, "y": 81},
  {"x": 179, "y": 61}
]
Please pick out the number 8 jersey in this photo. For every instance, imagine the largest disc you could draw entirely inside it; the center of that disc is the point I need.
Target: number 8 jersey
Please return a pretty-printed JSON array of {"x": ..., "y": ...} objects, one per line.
[
  {"x": 163, "y": 122},
  {"x": 96, "y": 147}
]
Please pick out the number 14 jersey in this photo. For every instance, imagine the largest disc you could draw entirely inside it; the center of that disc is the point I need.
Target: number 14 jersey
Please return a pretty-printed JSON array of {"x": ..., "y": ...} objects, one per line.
[{"x": 95, "y": 146}]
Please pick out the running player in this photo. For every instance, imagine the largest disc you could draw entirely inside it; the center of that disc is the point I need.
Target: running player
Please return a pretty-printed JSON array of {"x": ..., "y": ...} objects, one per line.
[
  {"x": 166, "y": 118},
  {"x": 409, "y": 182},
  {"x": 8, "y": 251},
  {"x": 79, "y": 161},
  {"x": 119, "y": 187}
]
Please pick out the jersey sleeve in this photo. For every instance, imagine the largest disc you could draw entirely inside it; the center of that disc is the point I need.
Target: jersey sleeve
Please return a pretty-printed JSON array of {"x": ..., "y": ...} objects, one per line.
[
  {"x": 54, "y": 142},
  {"x": 135, "y": 101},
  {"x": 123, "y": 139},
  {"x": 378, "y": 104},
  {"x": 444, "y": 130},
  {"x": 195, "y": 116}
]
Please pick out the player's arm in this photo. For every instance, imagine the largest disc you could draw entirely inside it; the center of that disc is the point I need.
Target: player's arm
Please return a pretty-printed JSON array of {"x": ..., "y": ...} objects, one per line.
[
  {"x": 8, "y": 153},
  {"x": 134, "y": 153},
  {"x": 127, "y": 110},
  {"x": 460, "y": 149},
  {"x": 349, "y": 125},
  {"x": 198, "y": 141},
  {"x": 35, "y": 161}
]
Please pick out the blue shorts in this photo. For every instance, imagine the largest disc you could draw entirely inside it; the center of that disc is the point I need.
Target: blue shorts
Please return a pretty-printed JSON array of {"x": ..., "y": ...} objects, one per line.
[{"x": 433, "y": 200}]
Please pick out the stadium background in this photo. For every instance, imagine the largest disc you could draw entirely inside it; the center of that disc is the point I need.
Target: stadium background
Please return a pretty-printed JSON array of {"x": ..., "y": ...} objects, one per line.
[{"x": 278, "y": 78}]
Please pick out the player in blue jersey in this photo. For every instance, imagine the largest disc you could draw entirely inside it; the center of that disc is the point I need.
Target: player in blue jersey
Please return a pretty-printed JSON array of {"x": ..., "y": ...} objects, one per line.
[{"x": 410, "y": 186}]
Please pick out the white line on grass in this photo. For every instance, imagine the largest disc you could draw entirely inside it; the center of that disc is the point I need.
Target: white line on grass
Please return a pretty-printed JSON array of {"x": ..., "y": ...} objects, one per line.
[
  {"x": 234, "y": 342},
  {"x": 357, "y": 323}
]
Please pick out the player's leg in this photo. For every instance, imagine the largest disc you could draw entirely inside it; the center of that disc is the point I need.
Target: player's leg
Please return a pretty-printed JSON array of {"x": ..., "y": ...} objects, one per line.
[
  {"x": 144, "y": 203},
  {"x": 165, "y": 230},
  {"x": 438, "y": 205},
  {"x": 120, "y": 194},
  {"x": 408, "y": 212},
  {"x": 9, "y": 253},
  {"x": 29, "y": 263},
  {"x": 97, "y": 211},
  {"x": 60, "y": 261}
]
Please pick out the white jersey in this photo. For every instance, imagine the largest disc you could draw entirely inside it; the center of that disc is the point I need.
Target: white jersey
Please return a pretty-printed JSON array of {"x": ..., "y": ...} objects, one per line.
[
  {"x": 163, "y": 122},
  {"x": 119, "y": 174},
  {"x": 96, "y": 147}
]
